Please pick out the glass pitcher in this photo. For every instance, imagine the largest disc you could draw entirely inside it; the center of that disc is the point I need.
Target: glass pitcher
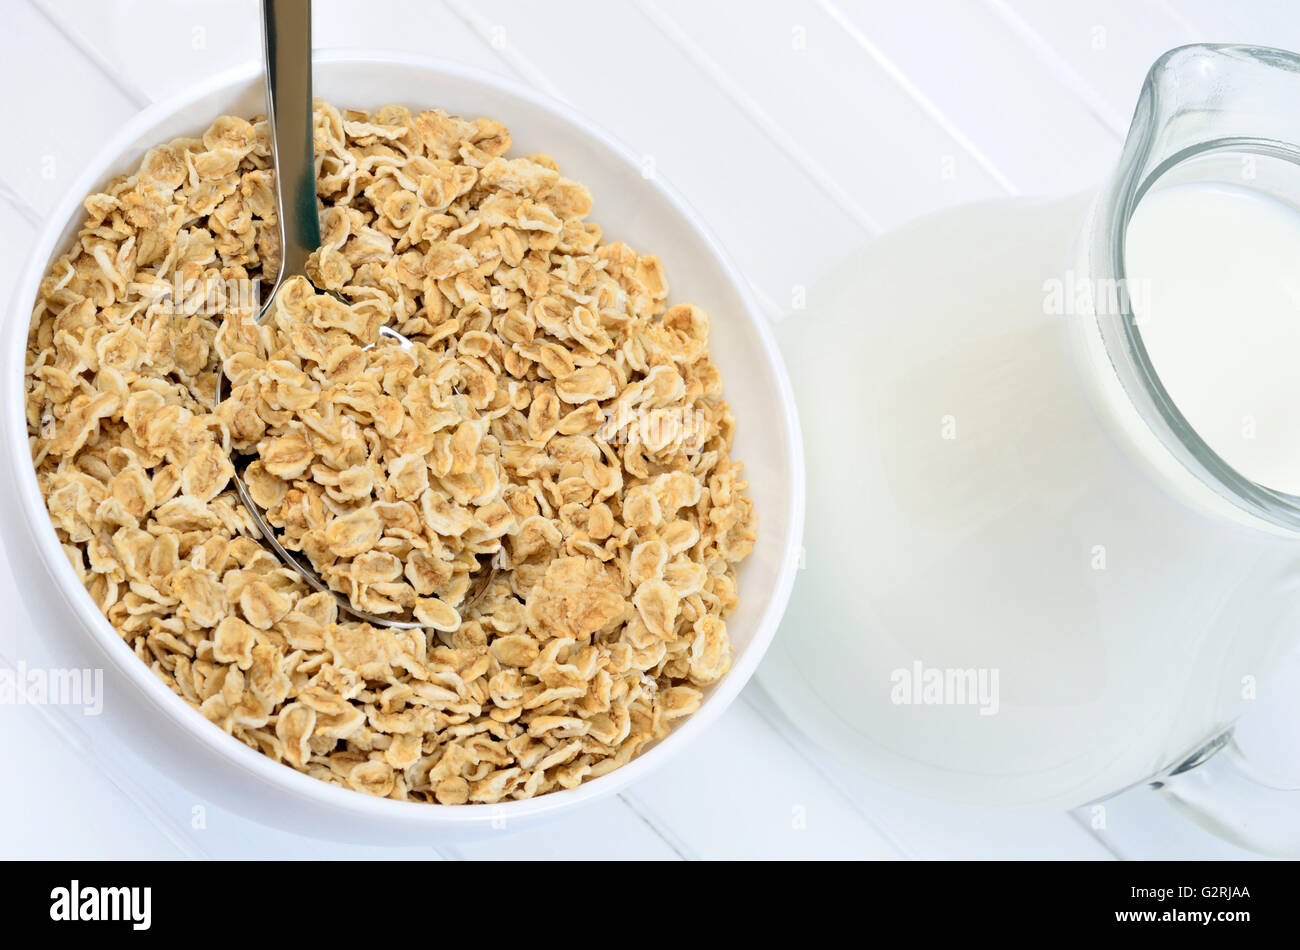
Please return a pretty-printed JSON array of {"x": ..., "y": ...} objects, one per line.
[{"x": 1029, "y": 579}]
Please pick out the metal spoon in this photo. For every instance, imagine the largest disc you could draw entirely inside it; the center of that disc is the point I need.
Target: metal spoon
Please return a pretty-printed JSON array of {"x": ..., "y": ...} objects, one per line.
[{"x": 286, "y": 42}]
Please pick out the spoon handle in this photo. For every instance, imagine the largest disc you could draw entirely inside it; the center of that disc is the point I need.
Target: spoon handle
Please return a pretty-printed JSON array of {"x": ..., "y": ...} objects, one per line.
[{"x": 286, "y": 41}]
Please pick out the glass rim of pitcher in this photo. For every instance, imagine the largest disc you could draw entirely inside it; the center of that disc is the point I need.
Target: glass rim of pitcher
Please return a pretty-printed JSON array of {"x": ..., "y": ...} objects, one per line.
[{"x": 1156, "y": 144}]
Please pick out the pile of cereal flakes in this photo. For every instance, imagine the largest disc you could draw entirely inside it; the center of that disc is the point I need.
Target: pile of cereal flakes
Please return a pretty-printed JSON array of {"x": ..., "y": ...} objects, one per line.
[{"x": 514, "y": 432}]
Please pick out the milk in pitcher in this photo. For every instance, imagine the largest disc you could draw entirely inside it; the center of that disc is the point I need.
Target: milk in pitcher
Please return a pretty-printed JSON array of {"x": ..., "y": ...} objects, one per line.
[{"x": 1007, "y": 600}]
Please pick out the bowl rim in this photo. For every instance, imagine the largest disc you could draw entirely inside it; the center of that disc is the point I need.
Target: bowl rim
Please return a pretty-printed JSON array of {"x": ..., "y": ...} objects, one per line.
[{"x": 229, "y": 749}]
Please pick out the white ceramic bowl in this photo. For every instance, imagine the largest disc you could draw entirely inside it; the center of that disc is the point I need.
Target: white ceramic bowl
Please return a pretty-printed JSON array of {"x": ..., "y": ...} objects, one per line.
[{"x": 646, "y": 214}]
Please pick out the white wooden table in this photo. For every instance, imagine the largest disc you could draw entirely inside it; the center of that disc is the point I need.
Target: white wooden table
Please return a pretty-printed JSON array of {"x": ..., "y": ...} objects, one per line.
[{"x": 839, "y": 118}]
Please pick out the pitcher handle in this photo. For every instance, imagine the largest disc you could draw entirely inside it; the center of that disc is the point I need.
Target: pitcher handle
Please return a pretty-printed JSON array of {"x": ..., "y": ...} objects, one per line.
[{"x": 1219, "y": 790}]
